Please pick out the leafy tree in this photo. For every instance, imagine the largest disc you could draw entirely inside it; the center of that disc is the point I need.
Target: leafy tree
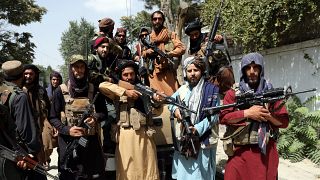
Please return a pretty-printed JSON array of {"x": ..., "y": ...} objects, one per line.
[
  {"x": 265, "y": 24},
  {"x": 177, "y": 12},
  {"x": 134, "y": 23},
  {"x": 44, "y": 75},
  {"x": 301, "y": 139},
  {"x": 14, "y": 45},
  {"x": 75, "y": 40}
]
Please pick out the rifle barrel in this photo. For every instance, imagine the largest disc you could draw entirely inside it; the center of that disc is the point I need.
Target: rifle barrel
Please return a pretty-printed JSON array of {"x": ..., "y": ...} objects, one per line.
[
  {"x": 305, "y": 91},
  {"x": 216, "y": 109}
]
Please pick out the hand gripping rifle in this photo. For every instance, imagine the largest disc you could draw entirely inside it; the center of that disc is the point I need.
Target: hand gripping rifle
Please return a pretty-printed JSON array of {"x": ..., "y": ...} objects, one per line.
[
  {"x": 150, "y": 92},
  {"x": 71, "y": 150},
  {"x": 148, "y": 44},
  {"x": 21, "y": 155},
  {"x": 211, "y": 46},
  {"x": 248, "y": 99},
  {"x": 189, "y": 142}
]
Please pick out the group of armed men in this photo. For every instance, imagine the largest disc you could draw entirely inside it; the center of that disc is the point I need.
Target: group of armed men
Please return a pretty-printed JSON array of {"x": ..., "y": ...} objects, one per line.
[{"x": 100, "y": 112}]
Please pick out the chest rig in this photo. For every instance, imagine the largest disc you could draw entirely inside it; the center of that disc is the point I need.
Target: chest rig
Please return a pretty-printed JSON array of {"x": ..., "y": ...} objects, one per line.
[
  {"x": 129, "y": 116},
  {"x": 77, "y": 109}
]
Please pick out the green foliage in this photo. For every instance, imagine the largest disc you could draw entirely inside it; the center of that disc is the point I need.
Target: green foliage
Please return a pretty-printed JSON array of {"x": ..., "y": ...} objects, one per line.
[
  {"x": 15, "y": 45},
  {"x": 134, "y": 23},
  {"x": 76, "y": 40},
  {"x": 44, "y": 75},
  {"x": 258, "y": 25},
  {"x": 21, "y": 12},
  {"x": 301, "y": 139}
]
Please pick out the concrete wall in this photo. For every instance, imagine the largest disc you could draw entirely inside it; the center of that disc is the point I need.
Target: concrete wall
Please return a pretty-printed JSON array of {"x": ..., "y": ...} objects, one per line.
[{"x": 290, "y": 65}]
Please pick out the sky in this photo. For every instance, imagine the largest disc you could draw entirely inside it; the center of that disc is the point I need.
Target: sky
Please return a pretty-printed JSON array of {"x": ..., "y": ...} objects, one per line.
[{"x": 47, "y": 33}]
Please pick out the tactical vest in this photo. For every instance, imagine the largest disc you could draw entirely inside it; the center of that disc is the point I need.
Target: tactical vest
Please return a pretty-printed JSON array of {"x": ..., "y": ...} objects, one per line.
[
  {"x": 242, "y": 135},
  {"x": 76, "y": 107},
  {"x": 129, "y": 116}
]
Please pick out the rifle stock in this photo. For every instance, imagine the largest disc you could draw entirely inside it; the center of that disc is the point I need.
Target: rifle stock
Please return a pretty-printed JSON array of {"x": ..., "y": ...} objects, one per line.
[{"x": 20, "y": 155}]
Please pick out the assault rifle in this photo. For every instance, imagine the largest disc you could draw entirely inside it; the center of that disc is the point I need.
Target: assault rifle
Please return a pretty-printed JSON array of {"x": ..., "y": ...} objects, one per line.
[
  {"x": 211, "y": 46},
  {"x": 71, "y": 150},
  {"x": 150, "y": 92},
  {"x": 21, "y": 155},
  {"x": 189, "y": 142},
  {"x": 247, "y": 99},
  {"x": 148, "y": 44}
]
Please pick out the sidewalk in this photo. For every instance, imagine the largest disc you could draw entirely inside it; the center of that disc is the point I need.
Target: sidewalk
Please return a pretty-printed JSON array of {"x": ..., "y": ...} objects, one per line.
[{"x": 54, "y": 163}]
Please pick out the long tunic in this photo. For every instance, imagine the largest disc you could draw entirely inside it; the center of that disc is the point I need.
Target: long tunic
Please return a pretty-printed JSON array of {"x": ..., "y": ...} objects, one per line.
[
  {"x": 248, "y": 163},
  {"x": 135, "y": 152},
  {"x": 164, "y": 78},
  {"x": 204, "y": 167}
]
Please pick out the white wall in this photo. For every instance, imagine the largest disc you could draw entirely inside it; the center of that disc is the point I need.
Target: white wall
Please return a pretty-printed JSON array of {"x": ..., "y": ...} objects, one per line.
[{"x": 286, "y": 66}]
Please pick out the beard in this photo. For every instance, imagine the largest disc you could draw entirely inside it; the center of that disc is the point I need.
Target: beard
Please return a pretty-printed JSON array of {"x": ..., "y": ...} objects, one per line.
[
  {"x": 157, "y": 27},
  {"x": 253, "y": 82},
  {"x": 193, "y": 81},
  {"x": 103, "y": 55}
]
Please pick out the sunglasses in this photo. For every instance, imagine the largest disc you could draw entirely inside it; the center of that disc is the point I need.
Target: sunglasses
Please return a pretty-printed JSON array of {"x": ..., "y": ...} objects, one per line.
[
  {"x": 157, "y": 18},
  {"x": 143, "y": 35}
]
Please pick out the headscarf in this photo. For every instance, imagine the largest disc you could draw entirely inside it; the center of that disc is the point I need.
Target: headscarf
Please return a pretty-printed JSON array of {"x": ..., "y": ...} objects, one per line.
[
  {"x": 78, "y": 87},
  {"x": 255, "y": 58},
  {"x": 193, "y": 60}
]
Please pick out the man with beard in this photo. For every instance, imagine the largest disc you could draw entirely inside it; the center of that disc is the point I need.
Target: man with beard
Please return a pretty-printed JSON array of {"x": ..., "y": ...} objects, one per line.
[
  {"x": 102, "y": 68},
  {"x": 144, "y": 33},
  {"x": 163, "y": 75},
  {"x": 143, "y": 63},
  {"x": 27, "y": 132},
  {"x": 197, "y": 94},
  {"x": 101, "y": 64},
  {"x": 106, "y": 26},
  {"x": 198, "y": 44},
  {"x": 121, "y": 40},
  {"x": 255, "y": 157},
  {"x": 41, "y": 105},
  {"x": 82, "y": 162},
  {"x": 136, "y": 152}
]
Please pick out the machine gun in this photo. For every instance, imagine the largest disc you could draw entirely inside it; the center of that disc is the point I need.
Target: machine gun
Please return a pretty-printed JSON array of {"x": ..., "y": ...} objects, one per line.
[
  {"x": 150, "y": 92},
  {"x": 189, "y": 143},
  {"x": 71, "y": 150},
  {"x": 19, "y": 154},
  {"x": 247, "y": 99},
  {"x": 148, "y": 44},
  {"x": 211, "y": 46}
]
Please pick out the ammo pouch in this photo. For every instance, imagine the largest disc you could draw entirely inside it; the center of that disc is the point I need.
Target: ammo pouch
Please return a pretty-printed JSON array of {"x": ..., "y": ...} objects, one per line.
[
  {"x": 242, "y": 135},
  {"x": 74, "y": 110},
  {"x": 130, "y": 117}
]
